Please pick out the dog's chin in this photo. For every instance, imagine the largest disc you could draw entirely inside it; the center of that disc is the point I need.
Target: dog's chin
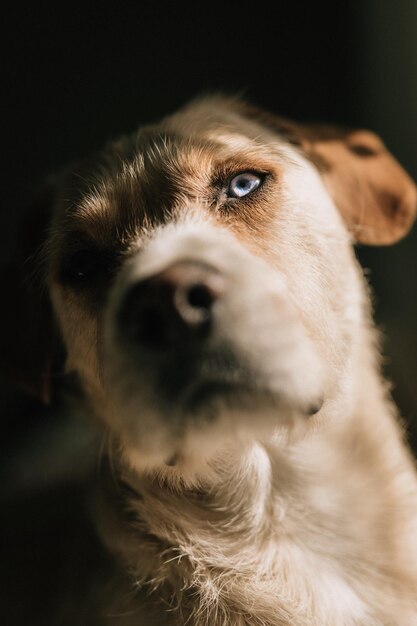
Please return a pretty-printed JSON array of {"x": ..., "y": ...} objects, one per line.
[
  {"x": 210, "y": 418},
  {"x": 194, "y": 405}
]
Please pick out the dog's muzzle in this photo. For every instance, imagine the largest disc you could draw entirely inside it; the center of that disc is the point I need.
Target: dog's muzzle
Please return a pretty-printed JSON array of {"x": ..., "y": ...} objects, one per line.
[{"x": 201, "y": 334}]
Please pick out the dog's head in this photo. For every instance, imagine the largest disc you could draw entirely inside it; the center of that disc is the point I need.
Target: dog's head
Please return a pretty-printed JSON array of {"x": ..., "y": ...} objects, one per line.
[{"x": 202, "y": 277}]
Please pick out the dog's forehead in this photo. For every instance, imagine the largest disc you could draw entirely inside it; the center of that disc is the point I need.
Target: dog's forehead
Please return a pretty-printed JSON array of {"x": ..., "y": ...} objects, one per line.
[
  {"x": 220, "y": 119},
  {"x": 139, "y": 179}
]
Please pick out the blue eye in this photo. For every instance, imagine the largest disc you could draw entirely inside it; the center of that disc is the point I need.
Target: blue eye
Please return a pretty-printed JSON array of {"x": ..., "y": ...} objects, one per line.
[{"x": 243, "y": 184}]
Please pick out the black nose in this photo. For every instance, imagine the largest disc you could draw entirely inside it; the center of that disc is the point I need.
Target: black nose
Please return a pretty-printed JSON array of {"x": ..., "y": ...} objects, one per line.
[{"x": 172, "y": 307}]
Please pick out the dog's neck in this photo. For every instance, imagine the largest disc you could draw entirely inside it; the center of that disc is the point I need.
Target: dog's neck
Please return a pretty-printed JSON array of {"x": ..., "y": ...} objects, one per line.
[{"x": 272, "y": 526}]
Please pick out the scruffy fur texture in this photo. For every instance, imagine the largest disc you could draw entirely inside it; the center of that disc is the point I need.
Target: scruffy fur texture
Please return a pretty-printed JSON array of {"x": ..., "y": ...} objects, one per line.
[{"x": 287, "y": 496}]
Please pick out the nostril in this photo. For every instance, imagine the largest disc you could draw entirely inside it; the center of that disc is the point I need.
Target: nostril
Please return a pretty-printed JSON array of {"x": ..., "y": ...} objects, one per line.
[
  {"x": 200, "y": 296},
  {"x": 194, "y": 300},
  {"x": 193, "y": 304}
]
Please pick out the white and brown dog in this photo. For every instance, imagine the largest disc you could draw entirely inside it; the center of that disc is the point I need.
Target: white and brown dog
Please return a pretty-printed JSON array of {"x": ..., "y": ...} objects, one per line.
[{"x": 203, "y": 281}]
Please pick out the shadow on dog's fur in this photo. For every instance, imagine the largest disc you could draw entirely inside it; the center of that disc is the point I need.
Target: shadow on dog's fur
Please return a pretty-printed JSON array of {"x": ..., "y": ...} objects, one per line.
[{"x": 198, "y": 282}]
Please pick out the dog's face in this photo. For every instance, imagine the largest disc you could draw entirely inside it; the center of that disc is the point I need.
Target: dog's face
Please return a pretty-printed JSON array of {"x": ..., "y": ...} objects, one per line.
[{"x": 202, "y": 275}]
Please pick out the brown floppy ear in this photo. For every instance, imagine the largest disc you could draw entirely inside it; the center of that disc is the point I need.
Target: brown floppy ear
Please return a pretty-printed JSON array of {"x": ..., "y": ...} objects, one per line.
[
  {"x": 26, "y": 321},
  {"x": 375, "y": 195}
]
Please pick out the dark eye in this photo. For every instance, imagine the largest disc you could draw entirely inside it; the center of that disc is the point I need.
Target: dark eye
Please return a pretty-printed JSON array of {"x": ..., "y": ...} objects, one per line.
[
  {"x": 85, "y": 267},
  {"x": 243, "y": 184}
]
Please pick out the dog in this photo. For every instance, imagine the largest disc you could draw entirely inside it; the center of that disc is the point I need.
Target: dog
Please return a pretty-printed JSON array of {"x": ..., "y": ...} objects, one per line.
[{"x": 200, "y": 278}]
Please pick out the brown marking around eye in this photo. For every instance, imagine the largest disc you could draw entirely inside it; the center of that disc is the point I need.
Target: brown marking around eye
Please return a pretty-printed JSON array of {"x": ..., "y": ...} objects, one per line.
[{"x": 252, "y": 219}]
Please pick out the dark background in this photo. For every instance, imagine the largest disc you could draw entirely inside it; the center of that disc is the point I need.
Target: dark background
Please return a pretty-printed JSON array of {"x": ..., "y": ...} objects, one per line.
[{"x": 73, "y": 76}]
